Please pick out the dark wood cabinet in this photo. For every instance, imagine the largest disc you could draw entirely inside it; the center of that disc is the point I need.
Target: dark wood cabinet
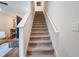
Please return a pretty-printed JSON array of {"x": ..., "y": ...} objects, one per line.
[{"x": 13, "y": 33}]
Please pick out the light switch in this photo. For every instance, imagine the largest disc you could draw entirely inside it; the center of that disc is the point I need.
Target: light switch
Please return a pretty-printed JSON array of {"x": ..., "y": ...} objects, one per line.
[{"x": 75, "y": 26}]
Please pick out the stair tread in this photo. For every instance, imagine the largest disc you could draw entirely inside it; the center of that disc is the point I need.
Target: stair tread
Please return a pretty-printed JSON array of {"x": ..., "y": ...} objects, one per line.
[
  {"x": 39, "y": 24},
  {"x": 39, "y": 35},
  {"x": 39, "y": 38},
  {"x": 41, "y": 41},
  {"x": 38, "y": 45},
  {"x": 41, "y": 56},
  {"x": 39, "y": 28},
  {"x": 34, "y": 33},
  {"x": 39, "y": 31},
  {"x": 41, "y": 53},
  {"x": 40, "y": 49}
]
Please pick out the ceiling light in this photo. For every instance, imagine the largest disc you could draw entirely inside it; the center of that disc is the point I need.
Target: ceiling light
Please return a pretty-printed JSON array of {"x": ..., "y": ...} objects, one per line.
[{"x": 0, "y": 9}]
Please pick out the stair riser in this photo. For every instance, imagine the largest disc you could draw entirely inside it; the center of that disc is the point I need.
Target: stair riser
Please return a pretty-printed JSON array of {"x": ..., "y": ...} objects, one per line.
[
  {"x": 40, "y": 56},
  {"x": 34, "y": 42},
  {"x": 39, "y": 29},
  {"x": 41, "y": 50},
  {"x": 39, "y": 26},
  {"x": 39, "y": 20},
  {"x": 41, "y": 53},
  {"x": 39, "y": 38},
  {"x": 40, "y": 45},
  {"x": 39, "y": 33},
  {"x": 39, "y": 23}
]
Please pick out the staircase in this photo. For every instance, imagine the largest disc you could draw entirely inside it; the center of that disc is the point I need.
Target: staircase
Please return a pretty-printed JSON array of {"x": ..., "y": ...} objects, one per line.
[{"x": 40, "y": 44}]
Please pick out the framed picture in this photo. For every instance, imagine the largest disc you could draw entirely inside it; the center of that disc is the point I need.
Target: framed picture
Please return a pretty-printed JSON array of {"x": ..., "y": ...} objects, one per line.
[{"x": 38, "y": 3}]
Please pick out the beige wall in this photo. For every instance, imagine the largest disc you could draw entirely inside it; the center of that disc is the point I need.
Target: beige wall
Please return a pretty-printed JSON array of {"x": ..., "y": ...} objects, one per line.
[
  {"x": 6, "y": 23},
  {"x": 32, "y": 7}
]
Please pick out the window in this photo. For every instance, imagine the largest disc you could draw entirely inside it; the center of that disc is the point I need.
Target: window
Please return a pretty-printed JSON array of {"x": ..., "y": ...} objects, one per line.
[{"x": 38, "y": 3}]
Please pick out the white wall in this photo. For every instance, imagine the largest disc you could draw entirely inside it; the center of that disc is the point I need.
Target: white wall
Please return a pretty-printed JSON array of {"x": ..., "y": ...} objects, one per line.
[
  {"x": 63, "y": 14},
  {"x": 6, "y": 23},
  {"x": 39, "y": 8}
]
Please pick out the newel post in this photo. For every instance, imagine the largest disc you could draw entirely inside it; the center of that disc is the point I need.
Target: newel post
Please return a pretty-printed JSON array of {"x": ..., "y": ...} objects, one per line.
[{"x": 21, "y": 42}]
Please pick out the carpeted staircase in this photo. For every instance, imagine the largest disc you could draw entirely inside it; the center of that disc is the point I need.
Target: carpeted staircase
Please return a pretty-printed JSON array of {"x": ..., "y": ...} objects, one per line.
[{"x": 40, "y": 44}]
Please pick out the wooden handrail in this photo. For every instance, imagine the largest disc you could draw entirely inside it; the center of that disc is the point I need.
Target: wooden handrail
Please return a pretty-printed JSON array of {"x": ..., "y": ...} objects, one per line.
[{"x": 52, "y": 23}]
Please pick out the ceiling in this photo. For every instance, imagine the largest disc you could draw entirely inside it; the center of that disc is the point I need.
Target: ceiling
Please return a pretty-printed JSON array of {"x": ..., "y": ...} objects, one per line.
[{"x": 13, "y": 7}]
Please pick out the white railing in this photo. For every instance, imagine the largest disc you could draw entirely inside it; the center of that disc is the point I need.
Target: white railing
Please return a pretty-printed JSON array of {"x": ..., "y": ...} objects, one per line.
[
  {"x": 55, "y": 36},
  {"x": 24, "y": 33}
]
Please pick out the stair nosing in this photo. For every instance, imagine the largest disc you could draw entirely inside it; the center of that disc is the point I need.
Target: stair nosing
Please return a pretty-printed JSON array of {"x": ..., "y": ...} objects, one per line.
[
  {"x": 43, "y": 41},
  {"x": 40, "y": 36},
  {"x": 39, "y": 32}
]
